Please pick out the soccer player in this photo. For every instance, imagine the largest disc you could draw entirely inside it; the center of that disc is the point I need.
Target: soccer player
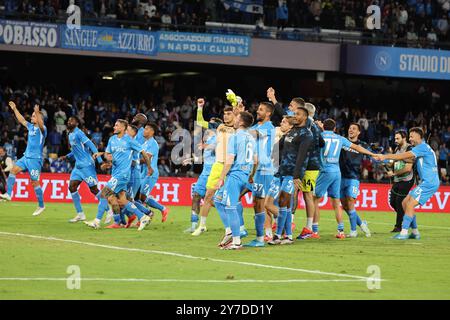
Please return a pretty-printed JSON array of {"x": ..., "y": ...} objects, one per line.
[
  {"x": 350, "y": 163},
  {"x": 208, "y": 146},
  {"x": 294, "y": 149},
  {"x": 32, "y": 158},
  {"x": 239, "y": 168},
  {"x": 278, "y": 110},
  {"x": 429, "y": 180},
  {"x": 119, "y": 150},
  {"x": 151, "y": 149},
  {"x": 329, "y": 180},
  {"x": 139, "y": 120},
  {"x": 312, "y": 171},
  {"x": 265, "y": 132},
  {"x": 81, "y": 151},
  {"x": 223, "y": 133},
  {"x": 271, "y": 201},
  {"x": 403, "y": 176}
]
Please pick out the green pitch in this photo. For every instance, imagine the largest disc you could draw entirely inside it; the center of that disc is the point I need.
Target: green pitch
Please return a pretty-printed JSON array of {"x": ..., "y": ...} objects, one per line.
[{"x": 162, "y": 262}]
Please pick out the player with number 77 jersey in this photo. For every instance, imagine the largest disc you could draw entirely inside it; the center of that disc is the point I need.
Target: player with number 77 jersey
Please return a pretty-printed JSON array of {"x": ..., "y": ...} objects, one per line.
[{"x": 329, "y": 180}]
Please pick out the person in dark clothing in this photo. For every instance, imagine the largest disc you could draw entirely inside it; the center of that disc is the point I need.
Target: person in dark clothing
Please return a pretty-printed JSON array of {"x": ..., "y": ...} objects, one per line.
[
  {"x": 294, "y": 150},
  {"x": 403, "y": 177},
  {"x": 278, "y": 111}
]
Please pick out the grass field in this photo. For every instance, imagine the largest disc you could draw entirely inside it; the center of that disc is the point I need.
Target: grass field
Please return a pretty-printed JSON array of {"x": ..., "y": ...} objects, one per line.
[{"x": 162, "y": 262}]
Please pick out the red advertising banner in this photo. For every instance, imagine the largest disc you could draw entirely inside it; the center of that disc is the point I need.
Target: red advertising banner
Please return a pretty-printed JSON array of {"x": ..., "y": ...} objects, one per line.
[{"x": 177, "y": 192}]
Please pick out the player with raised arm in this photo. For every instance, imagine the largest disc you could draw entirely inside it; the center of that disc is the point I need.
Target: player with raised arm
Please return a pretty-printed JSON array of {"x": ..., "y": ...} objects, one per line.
[
  {"x": 119, "y": 150},
  {"x": 224, "y": 131},
  {"x": 264, "y": 132},
  {"x": 329, "y": 180},
  {"x": 82, "y": 150},
  {"x": 429, "y": 180},
  {"x": 32, "y": 159},
  {"x": 240, "y": 166},
  {"x": 294, "y": 158}
]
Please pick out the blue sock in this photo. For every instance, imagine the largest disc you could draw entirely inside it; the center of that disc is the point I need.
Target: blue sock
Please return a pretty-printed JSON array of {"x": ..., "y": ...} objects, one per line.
[
  {"x": 358, "y": 219},
  {"x": 233, "y": 218},
  {"x": 194, "y": 217},
  {"x": 133, "y": 209},
  {"x": 117, "y": 218},
  {"x": 77, "y": 201},
  {"x": 10, "y": 182},
  {"x": 282, "y": 215},
  {"x": 288, "y": 223},
  {"x": 240, "y": 210},
  {"x": 223, "y": 215},
  {"x": 407, "y": 221},
  {"x": 352, "y": 215},
  {"x": 102, "y": 207},
  {"x": 142, "y": 208},
  {"x": 122, "y": 216},
  {"x": 39, "y": 196},
  {"x": 340, "y": 227},
  {"x": 315, "y": 227},
  {"x": 154, "y": 204},
  {"x": 260, "y": 218},
  {"x": 414, "y": 223}
]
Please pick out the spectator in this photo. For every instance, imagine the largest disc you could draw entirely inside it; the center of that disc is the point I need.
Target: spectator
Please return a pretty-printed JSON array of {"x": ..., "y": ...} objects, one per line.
[
  {"x": 163, "y": 168},
  {"x": 282, "y": 14},
  {"x": 60, "y": 120},
  {"x": 443, "y": 162},
  {"x": 54, "y": 138},
  {"x": 59, "y": 166}
]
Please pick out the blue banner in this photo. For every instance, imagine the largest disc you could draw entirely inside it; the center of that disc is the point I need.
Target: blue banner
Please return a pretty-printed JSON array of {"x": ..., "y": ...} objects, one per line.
[
  {"x": 396, "y": 62},
  {"x": 204, "y": 43},
  {"x": 109, "y": 40},
  {"x": 250, "y": 6},
  {"x": 24, "y": 33}
]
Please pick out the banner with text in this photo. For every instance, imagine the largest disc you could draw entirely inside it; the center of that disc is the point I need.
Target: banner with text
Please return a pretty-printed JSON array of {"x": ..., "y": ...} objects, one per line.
[
  {"x": 396, "y": 62},
  {"x": 109, "y": 40},
  {"x": 204, "y": 43},
  {"x": 26, "y": 33},
  {"x": 178, "y": 192}
]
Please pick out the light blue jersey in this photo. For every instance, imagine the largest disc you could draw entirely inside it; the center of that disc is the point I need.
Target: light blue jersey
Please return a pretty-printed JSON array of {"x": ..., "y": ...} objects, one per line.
[
  {"x": 151, "y": 146},
  {"x": 209, "y": 155},
  {"x": 35, "y": 143},
  {"x": 264, "y": 143},
  {"x": 332, "y": 150},
  {"x": 121, "y": 150},
  {"x": 243, "y": 146},
  {"x": 140, "y": 136},
  {"x": 82, "y": 154},
  {"x": 426, "y": 164}
]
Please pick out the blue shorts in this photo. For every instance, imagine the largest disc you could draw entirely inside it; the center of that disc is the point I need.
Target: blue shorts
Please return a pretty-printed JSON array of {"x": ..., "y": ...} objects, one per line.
[
  {"x": 328, "y": 182},
  {"x": 33, "y": 166},
  {"x": 423, "y": 192},
  {"x": 261, "y": 184},
  {"x": 86, "y": 174},
  {"x": 232, "y": 189},
  {"x": 274, "y": 188},
  {"x": 200, "y": 185},
  {"x": 218, "y": 196},
  {"x": 148, "y": 184},
  {"x": 135, "y": 181},
  {"x": 118, "y": 184},
  {"x": 287, "y": 184},
  {"x": 349, "y": 188}
]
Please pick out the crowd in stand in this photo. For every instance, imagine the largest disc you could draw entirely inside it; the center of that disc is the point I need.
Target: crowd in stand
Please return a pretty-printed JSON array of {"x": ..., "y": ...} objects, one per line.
[
  {"x": 98, "y": 117},
  {"x": 403, "y": 22}
]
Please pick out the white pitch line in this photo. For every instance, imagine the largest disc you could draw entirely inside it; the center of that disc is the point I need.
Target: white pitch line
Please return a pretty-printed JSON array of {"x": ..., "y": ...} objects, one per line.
[
  {"x": 186, "y": 281},
  {"x": 179, "y": 255},
  {"x": 390, "y": 224}
]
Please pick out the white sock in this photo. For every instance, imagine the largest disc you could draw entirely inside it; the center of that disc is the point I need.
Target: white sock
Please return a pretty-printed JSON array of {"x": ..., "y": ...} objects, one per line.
[
  {"x": 269, "y": 232},
  {"x": 260, "y": 239},
  {"x": 237, "y": 240},
  {"x": 202, "y": 220},
  {"x": 194, "y": 213},
  {"x": 290, "y": 237},
  {"x": 97, "y": 220},
  {"x": 81, "y": 215},
  {"x": 309, "y": 222},
  {"x": 415, "y": 231},
  {"x": 242, "y": 228},
  {"x": 227, "y": 230},
  {"x": 404, "y": 232}
]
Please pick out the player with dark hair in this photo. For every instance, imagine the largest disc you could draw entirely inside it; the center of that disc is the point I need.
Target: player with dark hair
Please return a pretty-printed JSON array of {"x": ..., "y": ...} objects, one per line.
[
  {"x": 402, "y": 174},
  {"x": 82, "y": 150},
  {"x": 32, "y": 159},
  {"x": 427, "y": 169},
  {"x": 329, "y": 180}
]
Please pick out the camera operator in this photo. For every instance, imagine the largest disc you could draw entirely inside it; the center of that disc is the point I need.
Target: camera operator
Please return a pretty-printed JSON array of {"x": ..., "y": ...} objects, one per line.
[{"x": 403, "y": 177}]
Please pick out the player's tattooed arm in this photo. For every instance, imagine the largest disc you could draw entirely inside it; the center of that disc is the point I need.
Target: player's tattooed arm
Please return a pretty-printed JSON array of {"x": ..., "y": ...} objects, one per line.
[
  {"x": 39, "y": 119},
  {"x": 255, "y": 165},
  {"x": 19, "y": 117},
  {"x": 147, "y": 160}
]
